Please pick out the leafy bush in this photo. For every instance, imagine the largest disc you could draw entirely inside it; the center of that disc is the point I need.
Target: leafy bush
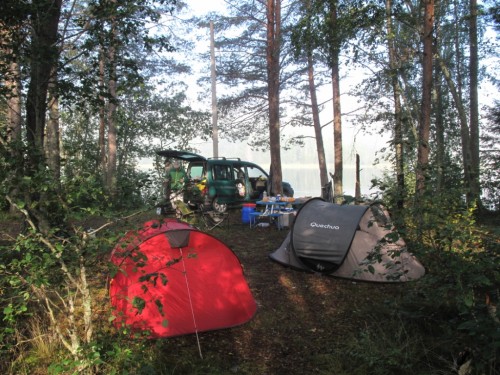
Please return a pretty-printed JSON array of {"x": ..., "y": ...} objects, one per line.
[{"x": 460, "y": 292}]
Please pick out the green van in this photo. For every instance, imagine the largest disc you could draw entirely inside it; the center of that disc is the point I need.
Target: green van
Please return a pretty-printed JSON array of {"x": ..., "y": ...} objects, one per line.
[{"x": 219, "y": 182}]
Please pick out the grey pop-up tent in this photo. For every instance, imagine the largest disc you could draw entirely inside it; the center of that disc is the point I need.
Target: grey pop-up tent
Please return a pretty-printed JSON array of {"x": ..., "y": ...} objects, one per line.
[{"x": 356, "y": 242}]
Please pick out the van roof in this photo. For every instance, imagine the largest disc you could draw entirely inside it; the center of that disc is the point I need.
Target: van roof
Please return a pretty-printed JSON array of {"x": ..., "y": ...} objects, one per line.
[{"x": 192, "y": 157}]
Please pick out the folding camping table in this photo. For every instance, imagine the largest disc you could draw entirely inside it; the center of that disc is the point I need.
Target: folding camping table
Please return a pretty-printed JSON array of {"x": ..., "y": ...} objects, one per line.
[{"x": 272, "y": 211}]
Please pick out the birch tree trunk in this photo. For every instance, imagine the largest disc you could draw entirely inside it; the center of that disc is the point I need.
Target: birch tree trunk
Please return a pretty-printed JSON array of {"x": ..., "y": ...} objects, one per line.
[{"x": 337, "y": 134}]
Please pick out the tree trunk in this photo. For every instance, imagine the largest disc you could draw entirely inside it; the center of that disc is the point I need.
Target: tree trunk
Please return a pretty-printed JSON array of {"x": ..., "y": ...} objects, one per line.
[
  {"x": 440, "y": 139},
  {"x": 323, "y": 173},
  {"x": 112, "y": 141},
  {"x": 320, "y": 148},
  {"x": 215, "y": 129},
  {"x": 357, "y": 192},
  {"x": 462, "y": 116},
  {"x": 43, "y": 56},
  {"x": 43, "y": 64},
  {"x": 12, "y": 82},
  {"x": 425, "y": 112},
  {"x": 273, "y": 70},
  {"x": 111, "y": 117},
  {"x": 398, "y": 123},
  {"x": 337, "y": 134},
  {"x": 13, "y": 88},
  {"x": 475, "y": 188},
  {"x": 52, "y": 149},
  {"x": 102, "y": 114},
  {"x": 338, "y": 189},
  {"x": 437, "y": 101}
]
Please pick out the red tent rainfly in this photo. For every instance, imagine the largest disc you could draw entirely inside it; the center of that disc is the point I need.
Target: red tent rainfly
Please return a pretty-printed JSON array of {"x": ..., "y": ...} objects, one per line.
[{"x": 173, "y": 280}]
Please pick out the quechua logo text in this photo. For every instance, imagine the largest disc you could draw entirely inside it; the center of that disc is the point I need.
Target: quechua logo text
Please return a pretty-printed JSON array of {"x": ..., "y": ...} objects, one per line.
[{"x": 324, "y": 226}]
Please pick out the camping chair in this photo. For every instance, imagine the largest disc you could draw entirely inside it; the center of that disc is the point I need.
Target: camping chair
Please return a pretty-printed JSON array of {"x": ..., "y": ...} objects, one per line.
[
  {"x": 213, "y": 219},
  {"x": 184, "y": 213}
]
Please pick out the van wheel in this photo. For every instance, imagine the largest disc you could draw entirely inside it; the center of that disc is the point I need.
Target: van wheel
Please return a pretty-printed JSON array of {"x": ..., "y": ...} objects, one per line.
[{"x": 219, "y": 207}]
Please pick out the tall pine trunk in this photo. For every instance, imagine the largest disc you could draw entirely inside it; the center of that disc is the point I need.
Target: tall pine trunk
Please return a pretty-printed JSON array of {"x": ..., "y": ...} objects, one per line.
[
  {"x": 338, "y": 189},
  {"x": 337, "y": 134},
  {"x": 475, "y": 188},
  {"x": 425, "y": 110},
  {"x": 273, "y": 70}
]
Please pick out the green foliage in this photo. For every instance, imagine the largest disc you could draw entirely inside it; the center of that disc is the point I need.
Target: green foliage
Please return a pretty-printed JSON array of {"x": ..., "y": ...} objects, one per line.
[
  {"x": 462, "y": 282},
  {"x": 85, "y": 193},
  {"x": 459, "y": 294},
  {"x": 135, "y": 190}
]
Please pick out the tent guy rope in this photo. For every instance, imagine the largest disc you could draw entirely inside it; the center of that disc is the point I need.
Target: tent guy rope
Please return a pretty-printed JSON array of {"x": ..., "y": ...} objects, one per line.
[{"x": 191, "y": 303}]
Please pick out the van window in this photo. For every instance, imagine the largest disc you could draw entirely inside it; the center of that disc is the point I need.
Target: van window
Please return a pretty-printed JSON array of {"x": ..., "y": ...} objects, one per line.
[
  {"x": 196, "y": 171},
  {"x": 255, "y": 172},
  {"x": 239, "y": 172},
  {"x": 222, "y": 172}
]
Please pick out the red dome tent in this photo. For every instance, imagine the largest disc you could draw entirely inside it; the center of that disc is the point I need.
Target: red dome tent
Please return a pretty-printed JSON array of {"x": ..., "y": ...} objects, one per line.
[{"x": 172, "y": 279}]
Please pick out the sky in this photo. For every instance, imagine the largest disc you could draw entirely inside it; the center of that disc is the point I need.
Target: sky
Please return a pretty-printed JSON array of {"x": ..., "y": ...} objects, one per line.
[{"x": 201, "y": 7}]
